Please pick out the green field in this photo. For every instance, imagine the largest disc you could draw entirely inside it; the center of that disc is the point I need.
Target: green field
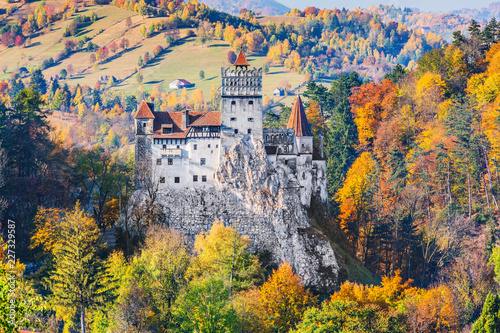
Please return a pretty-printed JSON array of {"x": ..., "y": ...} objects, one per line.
[{"x": 183, "y": 60}]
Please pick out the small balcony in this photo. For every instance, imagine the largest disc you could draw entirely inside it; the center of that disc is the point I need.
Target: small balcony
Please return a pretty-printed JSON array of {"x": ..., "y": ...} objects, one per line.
[{"x": 176, "y": 152}]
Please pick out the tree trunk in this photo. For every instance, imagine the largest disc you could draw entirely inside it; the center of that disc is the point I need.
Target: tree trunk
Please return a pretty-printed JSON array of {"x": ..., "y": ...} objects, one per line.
[
  {"x": 426, "y": 189},
  {"x": 82, "y": 318},
  {"x": 489, "y": 177},
  {"x": 468, "y": 183}
]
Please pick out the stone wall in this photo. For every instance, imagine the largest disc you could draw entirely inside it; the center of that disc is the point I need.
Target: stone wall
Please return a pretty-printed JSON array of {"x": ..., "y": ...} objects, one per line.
[{"x": 260, "y": 200}]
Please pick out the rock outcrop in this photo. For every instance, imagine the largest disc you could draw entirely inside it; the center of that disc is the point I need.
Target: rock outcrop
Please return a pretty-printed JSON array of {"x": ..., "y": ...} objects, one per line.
[{"x": 260, "y": 200}]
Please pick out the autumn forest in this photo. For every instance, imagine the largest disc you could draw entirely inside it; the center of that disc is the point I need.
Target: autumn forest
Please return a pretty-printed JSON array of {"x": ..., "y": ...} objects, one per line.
[{"x": 411, "y": 127}]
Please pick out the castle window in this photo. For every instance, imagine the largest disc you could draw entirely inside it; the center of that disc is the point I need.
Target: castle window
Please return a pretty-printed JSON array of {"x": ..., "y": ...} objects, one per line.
[
  {"x": 162, "y": 180},
  {"x": 286, "y": 162},
  {"x": 203, "y": 178},
  {"x": 170, "y": 161},
  {"x": 178, "y": 146},
  {"x": 216, "y": 146},
  {"x": 195, "y": 147},
  {"x": 202, "y": 161},
  {"x": 233, "y": 119},
  {"x": 177, "y": 180},
  {"x": 249, "y": 131},
  {"x": 166, "y": 130},
  {"x": 250, "y": 119},
  {"x": 209, "y": 145},
  {"x": 143, "y": 124},
  {"x": 303, "y": 145},
  {"x": 236, "y": 131},
  {"x": 164, "y": 146},
  {"x": 250, "y": 103},
  {"x": 158, "y": 161},
  {"x": 303, "y": 175},
  {"x": 195, "y": 178},
  {"x": 233, "y": 102}
]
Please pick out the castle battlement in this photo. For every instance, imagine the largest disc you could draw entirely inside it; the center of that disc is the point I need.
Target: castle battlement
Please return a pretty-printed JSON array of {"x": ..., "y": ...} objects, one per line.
[{"x": 184, "y": 149}]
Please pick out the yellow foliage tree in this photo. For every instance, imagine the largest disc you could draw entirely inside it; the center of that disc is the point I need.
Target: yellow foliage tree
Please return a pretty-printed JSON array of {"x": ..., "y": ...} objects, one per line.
[
  {"x": 184, "y": 96},
  {"x": 355, "y": 200},
  {"x": 172, "y": 99},
  {"x": 389, "y": 294},
  {"x": 224, "y": 253},
  {"x": 47, "y": 229},
  {"x": 197, "y": 100}
]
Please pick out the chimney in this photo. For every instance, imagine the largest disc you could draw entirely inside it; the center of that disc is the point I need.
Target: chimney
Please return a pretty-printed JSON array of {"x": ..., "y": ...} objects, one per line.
[
  {"x": 321, "y": 146},
  {"x": 185, "y": 119}
]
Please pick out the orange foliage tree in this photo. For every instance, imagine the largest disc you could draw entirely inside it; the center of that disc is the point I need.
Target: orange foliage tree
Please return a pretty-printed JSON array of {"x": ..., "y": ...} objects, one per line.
[
  {"x": 284, "y": 299},
  {"x": 433, "y": 310},
  {"x": 372, "y": 103}
]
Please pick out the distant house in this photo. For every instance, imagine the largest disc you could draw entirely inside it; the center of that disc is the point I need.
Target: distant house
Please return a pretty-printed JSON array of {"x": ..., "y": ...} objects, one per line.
[
  {"x": 180, "y": 84},
  {"x": 23, "y": 71},
  {"x": 425, "y": 30},
  {"x": 279, "y": 92}
]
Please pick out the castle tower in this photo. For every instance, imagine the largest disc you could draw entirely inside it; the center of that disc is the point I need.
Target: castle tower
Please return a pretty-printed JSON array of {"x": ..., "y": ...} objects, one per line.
[
  {"x": 303, "y": 134},
  {"x": 144, "y": 120},
  {"x": 241, "y": 101}
]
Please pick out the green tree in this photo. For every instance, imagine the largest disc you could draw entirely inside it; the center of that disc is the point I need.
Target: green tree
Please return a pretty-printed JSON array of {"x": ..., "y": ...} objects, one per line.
[
  {"x": 489, "y": 321},
  {"x": 60, "y": 99},
  {"x": 396, "y": 74},
  {"x": 206, "y": 308},
  {"x": 143, "y": 9},
  {"x": 140, "y": 62},
  {"x": 139, "y": 77},
  {"x": 16, "y": 86},
  {"x": 163, "y": 263},
  {"x": 63, "y": 73},
  {"x": 202, "y": 75},
  {"x": 25, "y": 134},
  {"x": 349, "y": 317},
  {"x": 38, "y": 81},
  {"x": 340, "y": 147},
  {"x": 77, "y": 279},
  {"x": 103, "y": 176}
]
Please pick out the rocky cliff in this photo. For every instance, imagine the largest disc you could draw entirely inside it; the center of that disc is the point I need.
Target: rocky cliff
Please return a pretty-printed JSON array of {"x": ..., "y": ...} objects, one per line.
[{"x": 260, "y": 200}]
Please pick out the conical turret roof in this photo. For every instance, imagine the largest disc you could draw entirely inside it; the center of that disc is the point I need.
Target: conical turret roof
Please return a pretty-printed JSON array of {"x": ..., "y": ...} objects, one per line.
[
  {"x": 298, "y": 120},
  {"x": 144, "y": 112},
  {"x": 241, "y": 60}
]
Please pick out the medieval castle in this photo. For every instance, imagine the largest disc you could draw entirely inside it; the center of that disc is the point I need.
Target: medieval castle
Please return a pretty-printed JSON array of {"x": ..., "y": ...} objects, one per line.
[{"x": 183, "y": 149}]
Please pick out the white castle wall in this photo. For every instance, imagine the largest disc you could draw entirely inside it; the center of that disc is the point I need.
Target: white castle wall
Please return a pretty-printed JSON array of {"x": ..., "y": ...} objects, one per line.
[{"x": 186, "y": 162}]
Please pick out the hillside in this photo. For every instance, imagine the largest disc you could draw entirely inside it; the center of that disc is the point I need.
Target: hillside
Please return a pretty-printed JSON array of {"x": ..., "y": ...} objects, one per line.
[
  {"x": 483, "y": 15},
  {"x": 111, "y": 28},
  {"x": 262, "y": 7},
  {"x": 443, "y": 24}
]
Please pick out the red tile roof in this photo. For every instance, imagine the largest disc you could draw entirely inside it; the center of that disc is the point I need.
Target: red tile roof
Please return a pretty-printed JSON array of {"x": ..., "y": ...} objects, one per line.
[
  {"x": 241, "y": 61},
  {"x": 144, "y": 111},
  {"x": 196, "y": 119},
  {"x": 298, "y": 120}
]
